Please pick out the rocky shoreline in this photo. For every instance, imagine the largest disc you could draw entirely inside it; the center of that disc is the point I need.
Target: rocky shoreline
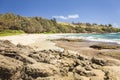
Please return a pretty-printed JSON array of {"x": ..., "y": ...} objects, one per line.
[
  {"x": 18, "y": 62},
  {"x": 36, "y": 57}
]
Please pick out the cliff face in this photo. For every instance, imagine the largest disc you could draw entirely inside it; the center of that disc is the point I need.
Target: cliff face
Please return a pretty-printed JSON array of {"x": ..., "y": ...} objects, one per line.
[{"x": 23, "y": 63}]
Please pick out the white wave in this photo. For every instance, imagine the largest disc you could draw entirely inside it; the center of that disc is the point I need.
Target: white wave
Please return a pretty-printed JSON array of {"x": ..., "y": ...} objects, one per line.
[{"x": 91, "y": 38}]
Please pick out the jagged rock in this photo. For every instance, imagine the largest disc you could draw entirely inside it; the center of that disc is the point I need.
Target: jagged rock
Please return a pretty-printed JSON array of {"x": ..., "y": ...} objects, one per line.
[
  {"x": 23, "y": 63},
  {"x": 67, "y": 62},
  {"x": 10, "y": 69},
  {"x": 41, "y": 70},
  {"x": 99, "y": 61},
  {"x": 82, "y": 57},
  {"x": 95, "y": 66},
  {"x": 89, "y": 68},
  {"x": 85, "y": 64},
  {"x": 78, "y": 77},
  {"x": 112, "y": 73},
  {"x": 83, "y": 72},
  {"x": 25, "y": 49},
  {"x": 43, "y": 57},
  {"x": 46, "y": 78},
  {"x": 6, "y": 44},
  {"x": 70, "y": 54}
]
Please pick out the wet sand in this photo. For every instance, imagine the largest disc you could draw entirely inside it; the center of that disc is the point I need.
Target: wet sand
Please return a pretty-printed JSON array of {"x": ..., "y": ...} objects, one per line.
[{"x": 84, "y": 48}]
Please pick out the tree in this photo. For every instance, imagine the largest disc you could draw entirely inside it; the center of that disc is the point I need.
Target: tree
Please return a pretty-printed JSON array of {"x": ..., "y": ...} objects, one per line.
[
  {"x": 109, "y": 25},
  {"x": 54, "y": 20}
]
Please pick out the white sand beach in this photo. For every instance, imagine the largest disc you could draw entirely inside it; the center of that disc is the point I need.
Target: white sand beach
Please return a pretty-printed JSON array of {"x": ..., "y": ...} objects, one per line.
[{"x": 36, "y": 41}]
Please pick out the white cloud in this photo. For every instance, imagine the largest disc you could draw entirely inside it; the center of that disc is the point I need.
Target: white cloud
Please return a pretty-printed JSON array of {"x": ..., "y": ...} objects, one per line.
[
  {"x": 74, "y": 16},
  {"x": 60, "y": 17}
]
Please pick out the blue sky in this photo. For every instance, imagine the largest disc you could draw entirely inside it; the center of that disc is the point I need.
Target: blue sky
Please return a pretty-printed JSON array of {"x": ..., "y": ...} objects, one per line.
[{"x": 93, "y": 11}]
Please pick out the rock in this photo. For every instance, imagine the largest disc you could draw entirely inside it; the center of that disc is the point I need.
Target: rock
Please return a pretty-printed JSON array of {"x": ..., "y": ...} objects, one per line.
[
  {"x": 96, "y": 78},
  {"x": 9, "y": 68},
  {"x": 81, "y": 71},
  {"x": 105, "y": 46},
  {"x": 99, "y": 61},
  {"x": 82, "y": 57},
  {"x": 95, "y": 66},
  {"x": 88, "y": 68},
  {"x": 78, "y": 77},
  {"x": 25, "y": 49},
  {"x": 67, "y": 62},
  {"x": 46, "y": 78},
  {"x": 112, "y": 72},
  {"x": 43, "y": 57},
  {"x": 6, "y": 44},
  {"x": 41, "y": 70},
  {"x": 63, "y": 71},
  {"x": 23, "y": 63}
]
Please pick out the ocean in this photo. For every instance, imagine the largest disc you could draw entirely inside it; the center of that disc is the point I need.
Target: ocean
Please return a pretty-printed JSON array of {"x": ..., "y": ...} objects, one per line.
[{"x": 106, "y": 37}]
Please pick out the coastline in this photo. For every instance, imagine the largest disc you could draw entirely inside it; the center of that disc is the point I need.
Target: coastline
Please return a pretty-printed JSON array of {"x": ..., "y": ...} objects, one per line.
[
  {"x": 53, "y": 56},
  {"x": 43, "y": 41}
]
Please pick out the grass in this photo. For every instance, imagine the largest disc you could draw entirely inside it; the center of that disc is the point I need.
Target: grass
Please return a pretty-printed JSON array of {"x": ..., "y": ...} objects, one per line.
[{"x": 11, "y": 32}]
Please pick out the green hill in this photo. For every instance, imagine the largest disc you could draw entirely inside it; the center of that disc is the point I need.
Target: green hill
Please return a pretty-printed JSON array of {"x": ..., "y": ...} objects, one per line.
[{"x": 11, "y": 21}]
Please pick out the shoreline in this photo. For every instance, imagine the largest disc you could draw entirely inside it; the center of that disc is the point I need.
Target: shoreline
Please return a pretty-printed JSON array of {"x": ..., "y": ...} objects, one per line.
[
  {"x": 40, "y": 55},
  {"x": 41, "y": 41},
  {"x": 36, "y": 41}
]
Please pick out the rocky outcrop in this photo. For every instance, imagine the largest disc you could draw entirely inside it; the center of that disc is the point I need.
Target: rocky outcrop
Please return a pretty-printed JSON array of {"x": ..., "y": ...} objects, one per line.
[
  {"x": 10, "y": 68},
  {"x": 41, "y": 70},
  {"x": 23, "y": 63},
  {"x": 99, "y": 61},
  {"x": 105, "y": 46}
]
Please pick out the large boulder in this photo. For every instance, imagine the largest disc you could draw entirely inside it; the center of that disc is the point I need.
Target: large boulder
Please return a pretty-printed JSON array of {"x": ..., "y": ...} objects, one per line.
[
  {"x": 99, "y": 61},
  {"x": 41, "y": 70},
  {"x": 10, "y": 69}
]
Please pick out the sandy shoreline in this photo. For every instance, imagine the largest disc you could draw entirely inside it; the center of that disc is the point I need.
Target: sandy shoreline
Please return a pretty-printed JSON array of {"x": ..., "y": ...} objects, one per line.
[
  {"x": 36, "y": 41},
  {"x": 41, "y": 42}
]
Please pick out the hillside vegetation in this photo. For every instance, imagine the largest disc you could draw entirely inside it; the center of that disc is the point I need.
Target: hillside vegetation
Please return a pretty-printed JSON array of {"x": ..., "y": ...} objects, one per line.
[{"x": 11, "y": 21}]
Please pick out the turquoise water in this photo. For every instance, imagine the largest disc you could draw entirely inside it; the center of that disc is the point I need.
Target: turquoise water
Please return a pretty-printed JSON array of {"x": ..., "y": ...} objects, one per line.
[{"x": 108, "y": 37}]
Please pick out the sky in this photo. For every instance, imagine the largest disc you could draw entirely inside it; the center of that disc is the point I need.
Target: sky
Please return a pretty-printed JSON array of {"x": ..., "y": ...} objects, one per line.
[{"x": 92, "y": 11}]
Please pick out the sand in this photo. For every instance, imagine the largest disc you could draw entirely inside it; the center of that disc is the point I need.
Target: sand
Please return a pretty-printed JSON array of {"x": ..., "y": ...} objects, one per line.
[{"x": 36, "y": 41}]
